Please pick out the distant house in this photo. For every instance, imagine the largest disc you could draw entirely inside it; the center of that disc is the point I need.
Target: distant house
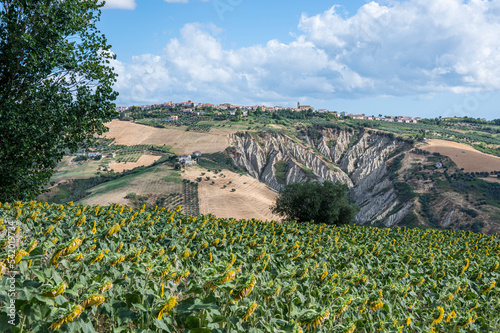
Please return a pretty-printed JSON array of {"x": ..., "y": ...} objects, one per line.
[
  {"x": 358, "y": 116},
  {"x": 173, "y": 118},
  {"x": 122, "y": 108},
  {"x": 438, "y": 165},
  {"x": 111, "y": 155},
  {"x": 93, "y": 154},
  {"x": 185, "y": 160},
  {"x": 196, "y": 153},
  {"x": 227, "y": 106}
]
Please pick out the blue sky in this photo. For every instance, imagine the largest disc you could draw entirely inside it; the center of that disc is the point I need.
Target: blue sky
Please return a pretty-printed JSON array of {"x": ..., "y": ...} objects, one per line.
[{"x": 415, "y": 57}]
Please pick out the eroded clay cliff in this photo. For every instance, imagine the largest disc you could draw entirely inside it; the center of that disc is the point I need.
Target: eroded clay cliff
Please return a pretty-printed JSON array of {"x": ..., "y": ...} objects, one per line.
[{"x": 358, "y": 159}]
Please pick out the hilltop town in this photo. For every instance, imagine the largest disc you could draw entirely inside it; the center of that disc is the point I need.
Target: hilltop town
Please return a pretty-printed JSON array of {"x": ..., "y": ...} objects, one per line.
[{"x": 228, "y": 108}]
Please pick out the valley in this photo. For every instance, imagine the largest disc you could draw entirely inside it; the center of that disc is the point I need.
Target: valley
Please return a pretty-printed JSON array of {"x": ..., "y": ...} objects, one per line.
[{"x": 395, "y": 180}]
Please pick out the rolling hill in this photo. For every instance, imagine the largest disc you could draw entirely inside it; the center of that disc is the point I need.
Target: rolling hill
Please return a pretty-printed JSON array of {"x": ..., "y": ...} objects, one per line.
[{"x": 394, "y": 180}]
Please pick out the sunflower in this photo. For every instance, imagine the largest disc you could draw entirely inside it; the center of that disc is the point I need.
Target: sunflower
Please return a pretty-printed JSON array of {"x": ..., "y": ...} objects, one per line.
[
  {"x": 228, "y": 277},
  {"x": 351, "y": 329},
  {"x": 185, "y": 254},
  {"x": 106, "y": 286},
  {"x": 438, "y": 316},
  {"x": 260, "y": 256},
  {"x": 33, "y": 245},
  {"x": 323, "y": 276},
  {"x": 72, "y": 315},
  {"x": 245, "y": 289},
  {"x": 376, "y": 305},
  {"x": 469, "y": 321},
  {"x": 297, "y": 255},
  {"x": 93, "y": 300},
  {"x": 54, "y": 291},
  {"x": 313, "y": 319},
  {"x": 251, "y": 308},
  {"x": 19, "y": 256},
  {"x": 119, "y": 247},
  {"x": 494, "y": 267},
  {"x": 97, "y": 258},
  {"x": 491, "y": 286},
  {"x": 450, "y": 316},
  {"x": 167, "y": 306}
]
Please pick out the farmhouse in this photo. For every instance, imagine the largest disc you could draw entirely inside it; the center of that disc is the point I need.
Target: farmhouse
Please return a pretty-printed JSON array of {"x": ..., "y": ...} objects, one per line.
[
  {"x": 183, "y": 157},
  {"x": 185, "y": 160},
  {"x": 358, "y": 116}
]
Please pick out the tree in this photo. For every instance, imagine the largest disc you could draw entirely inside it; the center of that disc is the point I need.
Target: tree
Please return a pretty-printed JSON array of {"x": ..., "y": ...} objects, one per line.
[
  {"x": 55, "y": 88},
  {"x": 325, "y": 202}
]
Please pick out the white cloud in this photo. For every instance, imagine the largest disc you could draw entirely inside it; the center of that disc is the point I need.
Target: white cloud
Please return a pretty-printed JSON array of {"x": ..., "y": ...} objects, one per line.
[
  {"x": 415, "y": 47},
  {"x": 120, "y": 4}
]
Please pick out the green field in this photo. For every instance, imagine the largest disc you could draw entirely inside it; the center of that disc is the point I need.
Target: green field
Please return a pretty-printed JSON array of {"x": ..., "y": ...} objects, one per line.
[
  {"x": 70, "y": 170},
  {"x": 124, "y": 158}
]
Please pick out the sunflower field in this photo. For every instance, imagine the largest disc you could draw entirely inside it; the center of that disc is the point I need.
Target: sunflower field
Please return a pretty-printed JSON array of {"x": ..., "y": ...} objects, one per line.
[{"x": 80, "y": 268}]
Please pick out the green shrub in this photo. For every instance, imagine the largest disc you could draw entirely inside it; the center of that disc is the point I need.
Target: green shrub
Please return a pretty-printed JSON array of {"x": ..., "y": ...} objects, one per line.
[
  {"x": 280, "y": 169},
  {"x": 331, "y": 143},
  {"x": 325, "y": 202}
]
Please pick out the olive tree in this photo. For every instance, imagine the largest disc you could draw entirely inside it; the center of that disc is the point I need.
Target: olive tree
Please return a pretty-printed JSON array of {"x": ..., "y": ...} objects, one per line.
[{"x": 56, "y": 88}]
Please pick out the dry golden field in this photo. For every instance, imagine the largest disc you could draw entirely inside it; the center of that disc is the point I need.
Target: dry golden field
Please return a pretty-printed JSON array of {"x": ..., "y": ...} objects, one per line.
[
  {"x": 464, "y": 156},
  {"x": 183, "y": 142},
  {"x": 251, "y": 199}
]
